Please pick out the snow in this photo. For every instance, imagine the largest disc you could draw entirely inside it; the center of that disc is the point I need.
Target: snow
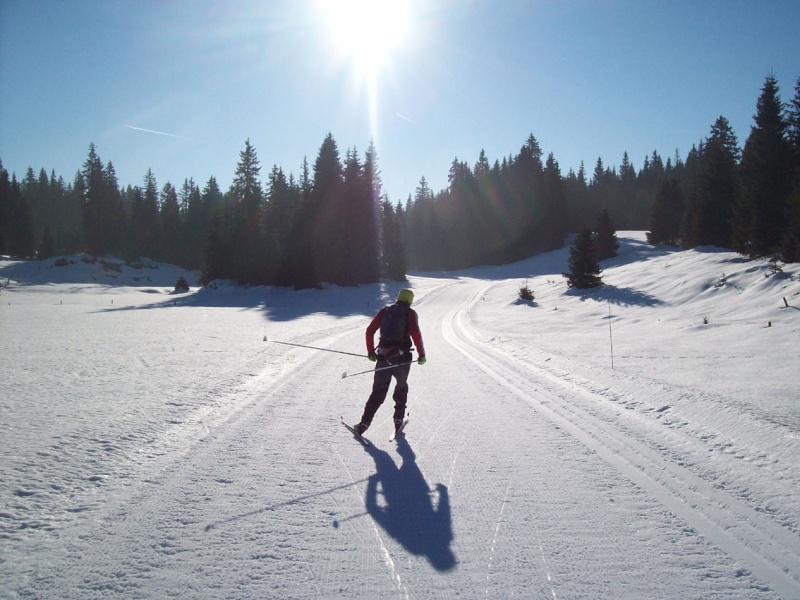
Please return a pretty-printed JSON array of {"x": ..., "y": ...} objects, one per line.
[{"x": 155, "y": 444}]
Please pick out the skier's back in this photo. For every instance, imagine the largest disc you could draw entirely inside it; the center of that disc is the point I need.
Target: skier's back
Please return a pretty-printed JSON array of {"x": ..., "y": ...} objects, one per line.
[{"x": 399, "y": 328}]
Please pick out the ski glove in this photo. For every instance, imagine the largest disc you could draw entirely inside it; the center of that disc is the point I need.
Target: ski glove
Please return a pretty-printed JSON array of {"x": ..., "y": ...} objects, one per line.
[
  {"x": 372, "y": 357},
  {"x": 422, "y": 360}
]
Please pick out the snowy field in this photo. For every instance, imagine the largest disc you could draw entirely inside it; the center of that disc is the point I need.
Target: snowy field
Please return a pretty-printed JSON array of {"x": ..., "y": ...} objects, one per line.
[{"x": 154, "y": 445}]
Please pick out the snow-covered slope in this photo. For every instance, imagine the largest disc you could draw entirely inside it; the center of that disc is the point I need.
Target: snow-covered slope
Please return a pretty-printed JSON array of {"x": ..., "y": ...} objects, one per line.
[{"x": 640, "y": 440}]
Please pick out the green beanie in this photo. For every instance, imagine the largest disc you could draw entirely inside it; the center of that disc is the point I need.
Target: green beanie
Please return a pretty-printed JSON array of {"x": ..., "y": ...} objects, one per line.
[{"x": 405, "y": 295}]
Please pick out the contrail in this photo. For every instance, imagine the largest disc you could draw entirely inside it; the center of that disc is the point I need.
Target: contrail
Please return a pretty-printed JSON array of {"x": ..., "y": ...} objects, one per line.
[
  {"x": 405, "y": 118},
  {"x": 180, "y": 137}
]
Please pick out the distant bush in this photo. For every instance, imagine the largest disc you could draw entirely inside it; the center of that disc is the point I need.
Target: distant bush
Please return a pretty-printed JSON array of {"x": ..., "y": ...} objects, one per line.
[
  {"x": 111, "y": 266},
  {"x": 61, "y": 262},
  {"x": 526, "y": 293},
  {"x": 774, "y": 267},
  {"x": 141, "y": 264},
  {"x": 181, "y": 285}
]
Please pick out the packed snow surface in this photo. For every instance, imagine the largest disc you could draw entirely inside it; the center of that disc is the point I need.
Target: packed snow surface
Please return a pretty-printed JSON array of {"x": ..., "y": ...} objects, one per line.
[{"x": 639, "y": 440}]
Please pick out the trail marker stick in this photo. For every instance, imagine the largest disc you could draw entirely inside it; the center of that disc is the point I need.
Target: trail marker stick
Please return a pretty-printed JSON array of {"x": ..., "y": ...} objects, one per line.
[{"x": 610, "y": 338}]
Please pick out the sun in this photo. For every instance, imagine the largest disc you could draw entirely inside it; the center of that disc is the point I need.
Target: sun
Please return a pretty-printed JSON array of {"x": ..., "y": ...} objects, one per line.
[{"x": 367, "y": 32}]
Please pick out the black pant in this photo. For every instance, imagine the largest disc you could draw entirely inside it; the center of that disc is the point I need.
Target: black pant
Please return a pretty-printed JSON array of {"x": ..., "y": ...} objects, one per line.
[{"x": 380, "y": 387}]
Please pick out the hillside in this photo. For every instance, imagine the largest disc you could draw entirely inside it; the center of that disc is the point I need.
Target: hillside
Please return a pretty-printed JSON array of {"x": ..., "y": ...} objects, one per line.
[{"x": 639, "y": 440}]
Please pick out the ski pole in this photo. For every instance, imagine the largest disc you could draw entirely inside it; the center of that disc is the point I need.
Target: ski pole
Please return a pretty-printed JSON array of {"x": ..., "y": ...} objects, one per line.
[
  {"x": 314, "y": 348},
  {"x": 346, "y": 374}
]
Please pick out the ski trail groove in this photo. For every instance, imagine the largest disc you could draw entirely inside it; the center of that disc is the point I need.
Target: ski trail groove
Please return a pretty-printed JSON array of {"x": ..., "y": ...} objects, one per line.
[
  {"x": 763, "y": 546},
  {"x": 497, "y": 533},
  {"x": 544, "y": 560},
  {"x": 387, "y": 561}
]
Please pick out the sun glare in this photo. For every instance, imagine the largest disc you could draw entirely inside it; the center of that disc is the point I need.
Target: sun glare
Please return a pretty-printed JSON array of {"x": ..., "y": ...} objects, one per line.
[{"x": 367, "y": 31}]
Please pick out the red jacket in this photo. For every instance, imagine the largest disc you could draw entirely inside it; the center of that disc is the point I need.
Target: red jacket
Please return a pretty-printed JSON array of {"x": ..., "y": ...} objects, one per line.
[{"x": 413, "y": 330}]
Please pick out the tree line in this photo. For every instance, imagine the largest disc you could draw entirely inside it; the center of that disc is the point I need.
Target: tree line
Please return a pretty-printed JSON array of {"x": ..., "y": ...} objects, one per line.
[
  {"x": 333, "y": 223},
  {"x": 333, "y": 227},
  {"x": 746, "y": 198}
]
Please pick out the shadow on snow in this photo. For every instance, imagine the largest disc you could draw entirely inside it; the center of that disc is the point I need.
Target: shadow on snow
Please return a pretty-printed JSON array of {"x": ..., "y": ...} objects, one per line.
[
  {"x": 284, "y": 304},
  {"x": 401, "y": 502},
  {"x": 615, "y": 295}
]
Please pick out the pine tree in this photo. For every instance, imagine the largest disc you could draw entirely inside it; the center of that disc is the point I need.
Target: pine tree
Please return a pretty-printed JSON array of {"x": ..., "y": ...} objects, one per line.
[
  {"x": 103, "y": 216},
  {"x": 252, "y": 257},
  {"x": 793, "y": 124},
  {"x": 716, "y": 190},
  {"x": 65, "y": 222},
  {"x": 94, "y": 205},
  {"x": 366, "y": 251},
  {"x": 577, "y": 192},
  {"x": 423, "y": 234},
  {"x": 584, "y": 268},
  {"x": 298, "y": 263},
  {"x": 791, "y": 237},
  {"x": 36, "y": 191},
  {"x": 213, "y": 254},
  {"x": 215, "y": 262},
  {"x": 527, "y": 176},
  {"x": 116, "y": 219},
  {"x": 282, "y": 199},
  {"x": 667, "y": 214},
  {"x": 627, "y": 195},
  {"x": 170, "y": 217},
  {"x": 246, "y": 193},
  {"x": 393, "y": 250},
  {"x": 135, "y": 201},
  {"x": 145, "y": 226},
  {"x": 554, "y": 203},
  {"x": 5, "y": 209},
  {"x": 324, "y": 223},
  {"x": 47, "y": 247},
  {"x": 194, "y": 225},
  {"x": 606, "y": 241},
  {"x": 212, "y": 197},
  {"x": 601, "y": 192},
  {"x": 17, "y": 234},
  {"x": 766, "y": 170}
]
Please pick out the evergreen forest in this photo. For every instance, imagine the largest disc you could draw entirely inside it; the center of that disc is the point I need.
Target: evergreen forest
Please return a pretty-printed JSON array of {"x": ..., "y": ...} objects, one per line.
[{"x": 333, "y": 223}]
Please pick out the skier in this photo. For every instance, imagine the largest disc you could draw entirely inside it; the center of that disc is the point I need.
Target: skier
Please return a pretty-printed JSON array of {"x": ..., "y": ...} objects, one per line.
[{"x": 398, "y": 325}]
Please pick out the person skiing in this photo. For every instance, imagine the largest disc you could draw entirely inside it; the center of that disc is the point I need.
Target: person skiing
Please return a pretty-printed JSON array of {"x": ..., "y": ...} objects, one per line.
[{"x": 399, "y": 326}]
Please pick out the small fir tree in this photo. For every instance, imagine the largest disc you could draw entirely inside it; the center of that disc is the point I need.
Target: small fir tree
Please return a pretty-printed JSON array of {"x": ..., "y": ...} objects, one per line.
[
  {"x": 583, "y": 264},
  {"x": 182, "y": 285},
  {"x": 526, "y": 293}
]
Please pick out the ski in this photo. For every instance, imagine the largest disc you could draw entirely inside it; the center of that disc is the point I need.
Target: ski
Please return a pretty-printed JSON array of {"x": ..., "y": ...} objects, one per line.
[
  {"x": 366, "y": 443},
  {"x": 399, "y": 430}
]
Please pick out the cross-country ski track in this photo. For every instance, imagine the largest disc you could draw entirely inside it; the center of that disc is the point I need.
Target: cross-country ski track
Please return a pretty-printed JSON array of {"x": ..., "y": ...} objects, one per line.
[{"x": 529, "y": 468}]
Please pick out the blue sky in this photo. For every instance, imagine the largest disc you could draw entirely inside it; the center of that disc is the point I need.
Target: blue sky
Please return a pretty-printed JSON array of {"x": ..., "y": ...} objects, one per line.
[{"x": 178, "y": 86}]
